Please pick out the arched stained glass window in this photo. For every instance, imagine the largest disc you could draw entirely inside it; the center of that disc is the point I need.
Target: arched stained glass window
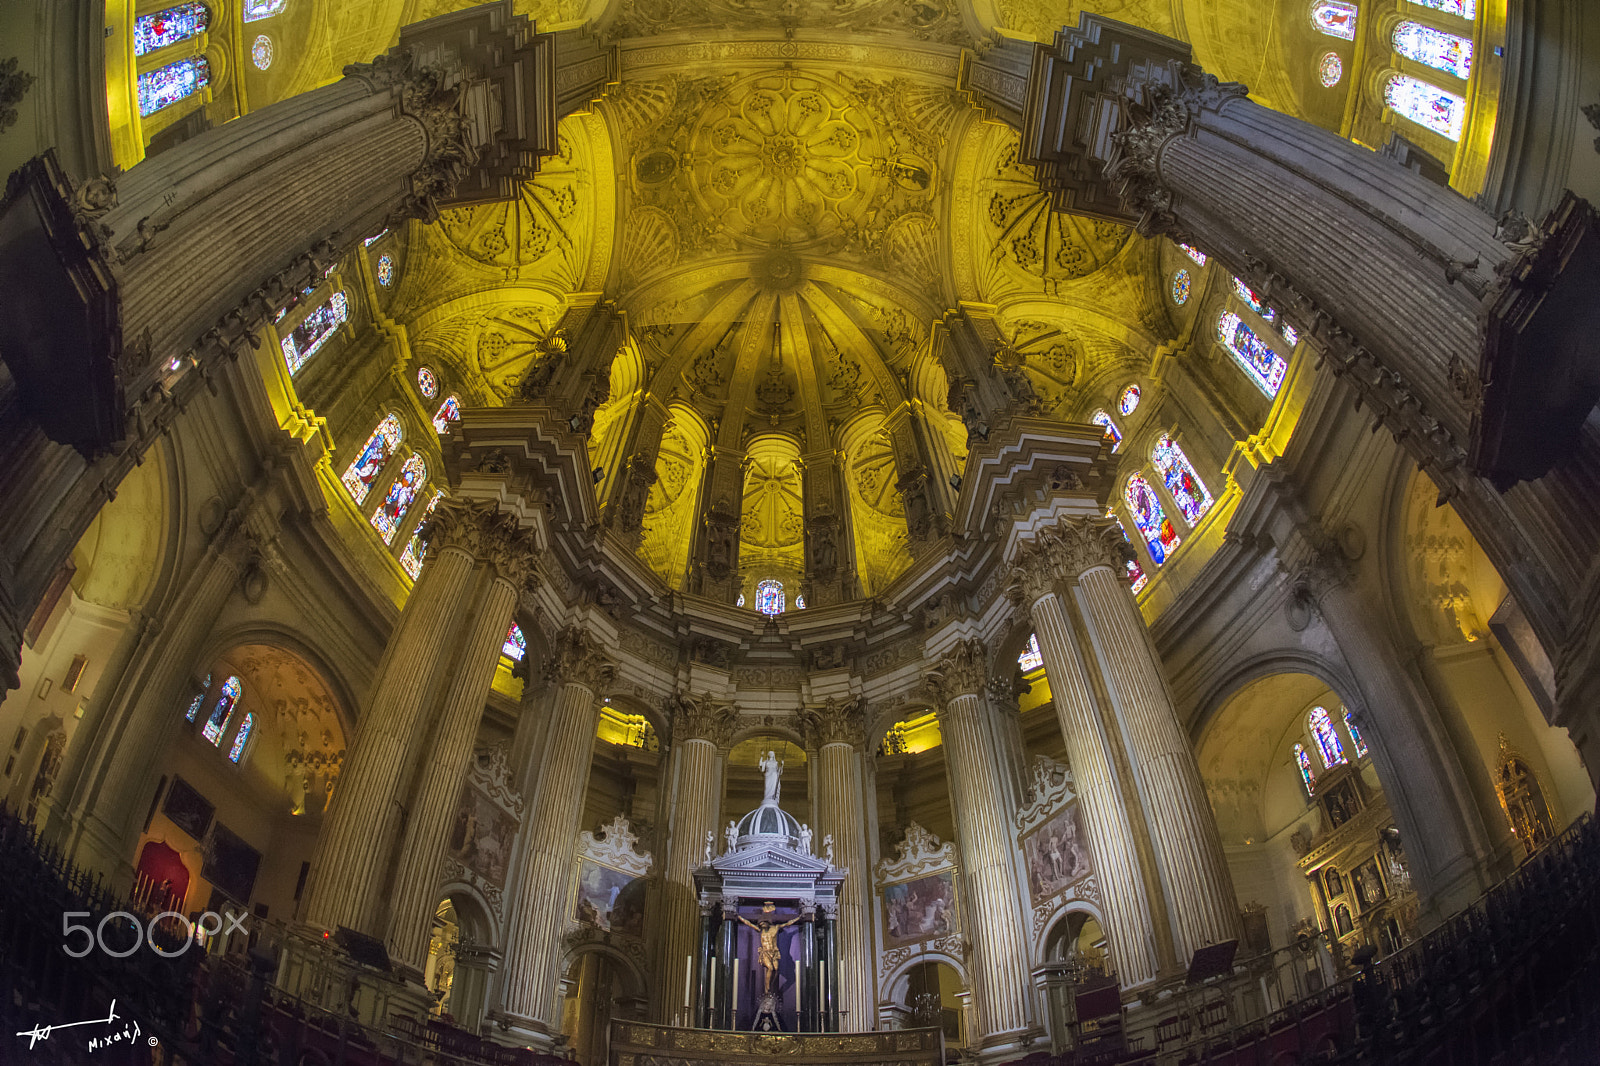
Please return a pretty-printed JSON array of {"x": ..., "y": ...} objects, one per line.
[
  {"x": 1334, "y": 18},
  {"x": 417, "y": 548},
  {"x": 1467, "y": 9},
  {"x": 255, "y": 10},
  {"x": 200, "y": 697},
  {"x": 313, "y": 331},
  {"x": 799, "y": 603},
  {"x": 242, "y": 737},
  {"x": 1327, "y": 739},
  {"x": 1031, "y": 658},
  {"x": 1257, "y": 304},
  {"x": 1194, "y": 253},
  {"x": 1303, "y": 761},
  {"x": 217, "y": 722},
  {"x": 769, "y": 596},
  {"x": 1137, "y": 578},
  {"x": 1153, "y": 523},
  {"x": 1427, "y": 105},
  {"x": 516, "y": 645},
  {"x": 1177, "y": 473},
  {"x": 166, "y": 85},
  {"x": 1100, "y": 418},
  {"x": 161, "y": 28},
  {"x": 1180, "y": 288},
  {"x": 1265, "y": 366},
  {"x": 1290, "y": 334},
  {"x": 1355, "y": 735},
  {"x": 385, "y": 269},
  {"x": 379, "y": 447},
  {"x": 370, "y": 241},
  {"x": 1330, "y": 68},
  {"x": 448, "y": 412},
  {"x": 1128, "y": 402},
  {"x": 1434, "y": 48},
  {"x": 427, "y": 384},
  {"x": 392, "y": 511}
]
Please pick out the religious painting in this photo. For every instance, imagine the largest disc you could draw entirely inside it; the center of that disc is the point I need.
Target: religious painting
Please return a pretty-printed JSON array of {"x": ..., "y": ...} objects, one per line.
[
  {"x": 187, "y": 809},
  {"x": 480, "y": 837},
  {"x": 230, "y": 864},
  {"x": 610, "y": 899},
  {"x": 920, "y": 910},
  {"x": 1057, "y": 853}
]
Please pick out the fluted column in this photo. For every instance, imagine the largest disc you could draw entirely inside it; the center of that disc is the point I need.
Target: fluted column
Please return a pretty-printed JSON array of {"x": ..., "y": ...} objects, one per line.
[
  {"x": 533, "y": 941},
  {"x": 512, "y": 556},
  {"x": 353, "y": 849},
  {"x": 837, "y": 729},
  {"x": 699, "y": 726},
  {"x": 986, "y": 840}
]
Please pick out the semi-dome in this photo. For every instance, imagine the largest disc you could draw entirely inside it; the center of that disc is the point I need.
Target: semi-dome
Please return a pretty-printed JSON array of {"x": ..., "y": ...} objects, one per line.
[{"x": 769, "y": 824}]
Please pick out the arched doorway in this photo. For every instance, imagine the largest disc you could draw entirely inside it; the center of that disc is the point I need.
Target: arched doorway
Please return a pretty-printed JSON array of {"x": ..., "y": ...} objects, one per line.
[
  {"x": 598, "y": 987},
  {"x": 933, "y": 999},
  {"x": 1077, "y": 959},
  {"x": 461, "y": 959}
]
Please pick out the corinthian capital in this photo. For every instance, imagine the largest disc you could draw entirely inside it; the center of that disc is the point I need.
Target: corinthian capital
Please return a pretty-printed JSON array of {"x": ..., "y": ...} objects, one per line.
[
  {"x": 1033, "y": 575},
  {"x": 836, "y": 722},
  {"x": 962, "y": 672},
  {"x": 460, "y": 523},
  {"x": 698, "y": 718},
  {"x": 512, "y": 550},
  {"x": 576, "y": 658},
  {"x": 1076, "y": 545}
]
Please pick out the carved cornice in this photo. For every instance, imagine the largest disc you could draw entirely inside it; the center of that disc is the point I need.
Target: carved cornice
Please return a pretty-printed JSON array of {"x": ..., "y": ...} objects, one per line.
[
  {"x": 962, "y": 672},
  {"x": 836, "y": 722},
  {"x": 512, "y": 550},
  {"x": 700, "y": 718},
  {"x": 576, "y": 658}
]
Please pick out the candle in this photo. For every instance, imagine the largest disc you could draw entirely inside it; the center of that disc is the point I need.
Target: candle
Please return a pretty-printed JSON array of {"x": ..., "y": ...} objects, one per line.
[
  {"x": 735, "y": 1019},
  {"x": 688, "y": 975}
]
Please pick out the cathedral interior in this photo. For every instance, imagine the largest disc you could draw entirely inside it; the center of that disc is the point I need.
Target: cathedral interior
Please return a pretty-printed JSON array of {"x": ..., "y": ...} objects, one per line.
[{"x": 662, "y": 533}]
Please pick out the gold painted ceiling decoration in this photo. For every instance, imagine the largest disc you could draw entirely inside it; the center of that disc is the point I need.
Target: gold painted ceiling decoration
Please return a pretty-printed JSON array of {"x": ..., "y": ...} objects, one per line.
[{"x": 923, "y": 20}]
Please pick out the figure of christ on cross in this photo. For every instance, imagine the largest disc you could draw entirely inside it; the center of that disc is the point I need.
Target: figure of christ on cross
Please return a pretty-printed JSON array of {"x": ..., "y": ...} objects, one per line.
[{"x": 767, "y": 954}]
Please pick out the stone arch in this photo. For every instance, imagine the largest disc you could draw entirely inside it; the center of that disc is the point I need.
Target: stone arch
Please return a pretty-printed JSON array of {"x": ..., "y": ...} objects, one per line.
[
  {"x": 341, "y": 686},
  {"x": 1051, "y": 928}
]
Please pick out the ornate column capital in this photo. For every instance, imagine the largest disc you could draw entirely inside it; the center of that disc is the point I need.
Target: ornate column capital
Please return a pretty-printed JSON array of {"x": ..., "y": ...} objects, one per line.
[
  {"x": 512, "y": 550},
  {"x": 1063, "y": 552},
  {"x": 698, "y": 718},
  {"x": 577, "y": 658},
  {"x": 836, "y": 722},
  {"x": 1165, "y": 113},
  {"x": 962, "y": 672}
]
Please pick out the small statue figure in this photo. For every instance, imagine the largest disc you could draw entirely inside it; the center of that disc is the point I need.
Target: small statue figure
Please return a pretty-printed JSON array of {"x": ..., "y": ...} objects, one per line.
[
  {"x": 827, "y": 849},
  {"x": 771, "y": 769},
  {"x": 805, "y": 838},
  {"x": 711, "y": 839},
  {"x": 731, "y": 834}
]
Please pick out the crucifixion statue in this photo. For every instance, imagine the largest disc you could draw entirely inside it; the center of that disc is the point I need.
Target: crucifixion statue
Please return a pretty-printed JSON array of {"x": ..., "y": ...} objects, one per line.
[{"x": 767, "y": 954}]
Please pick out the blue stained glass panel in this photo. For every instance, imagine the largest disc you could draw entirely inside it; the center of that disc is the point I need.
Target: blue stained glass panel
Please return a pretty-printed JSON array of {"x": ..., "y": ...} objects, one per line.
[
  {"x": 241, "y": 737},
  {"x": 1303, "y": 761},
  {"x": 448, "y": 412},
  {"x": 313, "y": 331},
  {"x": 199, "y": 698},
  {"x": 1180, "y": 287},
  {"x": 1151, "y": 518},
  {"x": 1194, "y": 253},
  {"x": 1031, "y": 658},
  {"x": 379, "y": 447},
  {"x": 1434, "y": 48},
  {"x": 1178, "y": 474},
  {"x": 1467, "y": 9},
  {"x": 217, "y": 723},
  {"x": 1100, "y": 418},
  {"x": 1129, "y": 400},
  {"x": 392, "y": 511},
  {"x": 1137, "y": 578},
  {"x": 516, "y": 645},
  {"x": 1334, "y": 18},
  {"x": 1355, "y": 735},
  {"x": 1427, "y": 105},
  {"x": 1328, "y": 745},
  {"x": 1257, "y": 304},
  {"x": 769, "y": 596},
  {"x": 177, "y": 23},
  {"x": 417, "y": 548},
  {"x": 255, "y": 10},
  {"x": 167, "y": 85},
  {"x": 1265, "y": 366}
]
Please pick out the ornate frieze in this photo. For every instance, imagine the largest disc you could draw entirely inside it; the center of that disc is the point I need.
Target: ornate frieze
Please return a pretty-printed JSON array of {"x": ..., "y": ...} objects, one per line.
[
  {"x": 613, "y": 846},
  {"x": 961, "y": 672},
  {"x": 920, "y": 853},
  {"x": 577, "y": 658},
  {"x": 835, "y": 722}
]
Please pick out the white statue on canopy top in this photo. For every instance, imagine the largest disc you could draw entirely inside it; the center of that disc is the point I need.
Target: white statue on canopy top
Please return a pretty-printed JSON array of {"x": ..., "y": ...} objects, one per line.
[{"x": 771, "y": 768}]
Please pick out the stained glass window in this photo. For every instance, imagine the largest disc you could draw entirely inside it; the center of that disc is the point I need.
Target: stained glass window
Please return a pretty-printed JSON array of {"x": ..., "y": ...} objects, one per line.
[
  {"x": 392, "y": 511},
  {"x": 177, "y": 23},
  {"x": 1257, "y": 304},
  {"x": 1434, "y": 48},
  {"x": 1467, "y": 9},
  {"x": 1128, "y": 402},
  {"x": 241, "y": 737},
  {"x": 1031, "y": 658},
  {"x": 427, "y": 384},
  {"x": 799, "y": 603},
  {"x": 740, "y": 601},
  {"x": 516, "y": 645},
  {"x": 1152, "y": 520},
  {"x": 217, "y": 723},
  {"x": 1303, "y": 761},
  {"x": 417, "y": 548},
  {"x": 313, "y": 332},
  {"x": 1178, "y": 474},
  {"x": 1137, "y": 578},
  {"x": 1290, "y": 334},
  {"x": 449, "y": 411},
  {"x": 769, "y": 596},
  {"x": 166, "y": 85},
  {"x": 1180, "y": 287},
  {"x": 1100, "y": 418},
  {"x": 199, "y": 698},
  {"x": 1265, "y": 366},
  {"x": 261, "y": 9},
  {"x": 385, "y": 269},
  {"x": 261, "y": 52},
  {"x": 379, "y": 447},
  {"x": 1194, "y": 253},
  {"x": 1330, "y": 68},
  {"x": 1334, "y": 18},
  {"x": 1427, "y": 105},
  {"x": 1328, "y": 745},
  {"x": 375, "y": 238},
  {"x": 1355, "y": 734}
]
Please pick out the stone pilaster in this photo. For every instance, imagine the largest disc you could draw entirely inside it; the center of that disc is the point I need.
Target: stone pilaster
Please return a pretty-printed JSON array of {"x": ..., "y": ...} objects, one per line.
[
  {"x": 986, "y": 839},
  {"x": 580, "y": 669}
]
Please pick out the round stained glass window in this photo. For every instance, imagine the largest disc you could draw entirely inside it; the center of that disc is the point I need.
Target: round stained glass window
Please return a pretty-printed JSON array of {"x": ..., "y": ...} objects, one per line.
[
  {"x": 385, "y": 269},
  {"x": 1180, "y": 287},
  {"x": 1331, "y": 68},
  {"x": 261, "y": 52},
  {"x": 426, "y": 384},
  {"x": 1129, "y": 401}
]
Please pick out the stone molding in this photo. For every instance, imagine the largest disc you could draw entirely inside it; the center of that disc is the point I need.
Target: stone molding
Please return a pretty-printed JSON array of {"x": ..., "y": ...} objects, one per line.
[
  {"x": 576, "y": 658},
  {"x": 1051, "y": 787},
  {"x": 836, "y": 722},
  {"x": 962, "y": 672}
]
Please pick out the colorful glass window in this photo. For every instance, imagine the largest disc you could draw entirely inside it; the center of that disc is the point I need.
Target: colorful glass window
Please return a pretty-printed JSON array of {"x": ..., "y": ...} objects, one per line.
[
  {"x": 1467, "y": 9},
  {"x": 313, "y": 331},
  {"x": 392, "y": 511},
  {"x": 1434, "y": 48},
  {"x": 1100, "y": 418},
  {"x": 448, "y": 412},
  {"x": 1177, "y": 473},
  {"x": 1334, "y": 18},
  {"x": 1257, "y": 304},
  {"x": 1152, "y": 520},
  {"x": 740, "y": 601},
  {"x": 769, "y": 596},
  {"x": 375, "y": 238},
  {"x": 1427, "y": 105},
  {"x": 379, "y": 447},
  {"x": 1180, "y": 287},
  {"x": 1265, "y": 366},
  {"x": 1355, "y": 735},
  {"x": 242, "y": 737},
  {"x": 427, "y": 384},
  {"x": 1128, "y": 402},
  {"x": 1031, "y": 658},
  {"x": 1137, "y": 578},
  {"x": 385, "y": 269},
  {"x": 255, "y": 10},
  {"x": 516, "y": 645},
  {"x": 217, "y": 723},
  {"x": 178, "y": 23},
  {"x": 261, "y": 52},
  {"x": 799, "y": 603},
  {"x": 1327, "y": 740},
  {"x": 1330, "y": 68},
  {"x": 167, "y": 85},
  {"x": 1194, "y": 253},
  {"x": 199, "y": 698},
  {"x": 417, "y": 548},
  {"x": 1303, "y": 761},
  {"x": 1290, "y": 334}
]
